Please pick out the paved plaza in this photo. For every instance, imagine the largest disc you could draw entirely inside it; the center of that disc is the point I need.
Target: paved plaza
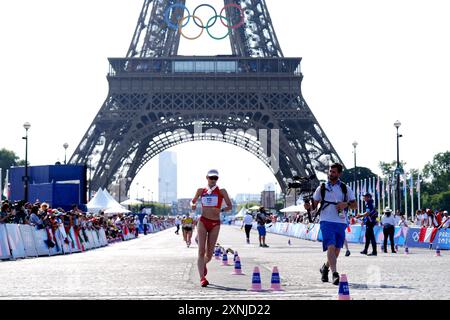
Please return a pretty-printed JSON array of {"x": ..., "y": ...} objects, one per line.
[{"x": 159, "y": 266}]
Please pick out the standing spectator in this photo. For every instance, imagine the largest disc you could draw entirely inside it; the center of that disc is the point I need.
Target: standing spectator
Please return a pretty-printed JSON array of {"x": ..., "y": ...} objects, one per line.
[
  {"x": 247, "y": 223},
  {"x": 370, "y": 221},
  {"x": 431, "y": 219},
  {"x": 418, "y": 219},
  {"x": 397, "y": 217},
  {"x": 445, "y": 221},
  {"x": 439, "y": 216},
  {"x": 5, "y": 213},
  {"x": 388, "y": 223},
  {"x": 145, "y": 224},
  {"x": 177, "y": 224},
  {"x": 35, "y": 220}
]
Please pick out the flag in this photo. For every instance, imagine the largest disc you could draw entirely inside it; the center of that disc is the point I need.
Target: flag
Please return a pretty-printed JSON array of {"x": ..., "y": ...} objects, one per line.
[
  {"x": 6, "y": 187},
  {"x": 411, "y": 186},
  {"x": 418, "y": 183},
  {"x": 404, "y": 185}
]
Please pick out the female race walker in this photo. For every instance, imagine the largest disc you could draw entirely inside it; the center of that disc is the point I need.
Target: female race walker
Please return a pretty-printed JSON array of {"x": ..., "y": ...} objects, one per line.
[{"x": 208, "y": 226}]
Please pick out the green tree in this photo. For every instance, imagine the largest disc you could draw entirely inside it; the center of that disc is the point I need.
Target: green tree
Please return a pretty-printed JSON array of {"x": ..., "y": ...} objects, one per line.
[
  {"x": 437, "y": 173},
  {"x": 388, "y": 168},
  {"x": 8, "y": 159},
  {"x": 361, "y": 174}
]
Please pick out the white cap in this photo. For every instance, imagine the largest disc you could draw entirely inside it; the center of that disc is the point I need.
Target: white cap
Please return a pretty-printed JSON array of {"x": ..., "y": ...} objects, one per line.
[{"x": 213, "y": 173}]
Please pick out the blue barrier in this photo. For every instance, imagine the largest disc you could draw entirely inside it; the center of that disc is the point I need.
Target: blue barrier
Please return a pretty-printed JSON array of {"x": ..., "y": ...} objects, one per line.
[{"x": 403, "y": 235}]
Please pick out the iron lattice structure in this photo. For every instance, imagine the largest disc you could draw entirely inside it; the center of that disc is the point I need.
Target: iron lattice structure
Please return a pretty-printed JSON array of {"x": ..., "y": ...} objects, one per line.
[{"x": 158, "y": 99}]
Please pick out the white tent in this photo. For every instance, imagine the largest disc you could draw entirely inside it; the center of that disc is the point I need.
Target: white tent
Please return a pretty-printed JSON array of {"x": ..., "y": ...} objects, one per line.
[
  {"x": 296, "y": 208},
  {"x": 112, "y": 201},
  {"x": 103, "y": 201},
  {"x": 241, "y": 213},
  {"x": 116, "y": 210}
]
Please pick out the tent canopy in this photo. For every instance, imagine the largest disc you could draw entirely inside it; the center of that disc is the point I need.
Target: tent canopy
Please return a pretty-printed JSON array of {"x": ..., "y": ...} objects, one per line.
[
  {"x": 296, "y": 208},
  {"x": 241, "y": 213},
  {"x": 103, "y": 201}
]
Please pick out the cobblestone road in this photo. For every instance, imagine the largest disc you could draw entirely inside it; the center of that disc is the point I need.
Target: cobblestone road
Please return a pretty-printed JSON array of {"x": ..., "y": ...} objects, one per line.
[{"x": 159, "y": 266}]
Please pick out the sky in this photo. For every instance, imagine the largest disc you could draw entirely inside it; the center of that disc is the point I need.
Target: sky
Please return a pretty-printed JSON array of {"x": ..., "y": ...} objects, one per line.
[{"x": 366, "y": 64}]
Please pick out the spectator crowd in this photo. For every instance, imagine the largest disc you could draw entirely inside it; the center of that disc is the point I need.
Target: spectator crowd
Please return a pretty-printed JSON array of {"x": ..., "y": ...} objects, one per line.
[{"x": 41, "y": 216}]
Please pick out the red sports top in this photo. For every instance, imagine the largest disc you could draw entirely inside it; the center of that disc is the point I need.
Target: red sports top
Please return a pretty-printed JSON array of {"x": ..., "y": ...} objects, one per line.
[{"x": 213, "y": 200}]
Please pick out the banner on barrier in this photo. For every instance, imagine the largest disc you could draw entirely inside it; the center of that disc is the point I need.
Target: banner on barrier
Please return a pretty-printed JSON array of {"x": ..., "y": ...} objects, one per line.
[
  {"x": 421, "y": 237},
  {"x": 27, "y": 234},
  {"x": 4, "y": 247},
  {"x": 15, "y": 241},
  {"x": 40, "y": 240},
  {"x": 443, "y": 239}
]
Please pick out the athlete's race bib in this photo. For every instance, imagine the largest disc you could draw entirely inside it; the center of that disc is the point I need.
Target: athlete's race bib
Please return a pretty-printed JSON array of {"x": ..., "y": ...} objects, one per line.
[{"x": 210, "y": 200}]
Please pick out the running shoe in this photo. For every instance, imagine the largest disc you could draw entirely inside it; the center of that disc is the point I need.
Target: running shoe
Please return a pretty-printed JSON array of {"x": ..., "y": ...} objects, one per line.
[
  {"x": 265, "y": 246},
  {"x": 204, "y": 282},
  {"x": 324, "y": 272},
  {"x": 248, "y": 241},
  {"x": 363, "y": 252},
  {"x": 335, "y": 278},
  {"x": 373, "y": 254},
  {"x": 347, "y": 254}
]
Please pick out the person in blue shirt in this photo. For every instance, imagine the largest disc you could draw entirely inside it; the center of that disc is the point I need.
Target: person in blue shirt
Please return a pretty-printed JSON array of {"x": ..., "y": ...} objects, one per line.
[{"x": 370, "y": 221}]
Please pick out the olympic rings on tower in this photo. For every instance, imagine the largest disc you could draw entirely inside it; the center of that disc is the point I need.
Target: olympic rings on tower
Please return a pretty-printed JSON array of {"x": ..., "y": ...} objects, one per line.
[{"x": 198, "y": 22}]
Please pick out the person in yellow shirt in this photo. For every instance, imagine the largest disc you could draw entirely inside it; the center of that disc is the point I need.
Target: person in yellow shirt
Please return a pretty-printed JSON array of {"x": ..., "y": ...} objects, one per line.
[{"x": 188, "y": 227}]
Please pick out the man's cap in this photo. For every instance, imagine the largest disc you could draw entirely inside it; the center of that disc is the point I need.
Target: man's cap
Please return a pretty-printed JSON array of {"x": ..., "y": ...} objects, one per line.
[{"x": 213, "y": 173}]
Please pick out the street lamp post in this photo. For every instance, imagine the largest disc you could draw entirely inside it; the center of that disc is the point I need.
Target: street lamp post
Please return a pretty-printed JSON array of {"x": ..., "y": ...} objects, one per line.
[
  {"x": 397, "y": 125},
  {"x": 27, "y": 126},
  {"x": 65, "y": 145},
  {"x": 355, "y": 144}
]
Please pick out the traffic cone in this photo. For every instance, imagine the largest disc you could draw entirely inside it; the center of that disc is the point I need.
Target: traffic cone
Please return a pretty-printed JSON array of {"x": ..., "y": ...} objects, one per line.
[
  {"x": 406, "y": 250},
  {"x": 225, "y": 259},
  {"x": 235, "y": 256},
  {"x": 438, "y": 252},
  {"x": 275, "y": 283},
  {"x": 344, "y": 291},
  {"x": 217, "y": 253},
  {"x": 237, "y": 267},
  {"x": 256, "y": 281}
]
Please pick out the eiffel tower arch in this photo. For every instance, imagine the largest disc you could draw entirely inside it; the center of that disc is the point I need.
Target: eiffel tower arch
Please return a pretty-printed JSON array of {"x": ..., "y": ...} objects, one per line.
[{"x": 158, "y": 99}]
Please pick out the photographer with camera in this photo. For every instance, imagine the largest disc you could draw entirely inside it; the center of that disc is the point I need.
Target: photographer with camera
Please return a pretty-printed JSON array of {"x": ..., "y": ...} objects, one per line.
[
  {"x": 334, "y": 197},
  {"x": 261, "y": 219},
  {"x": 5, "y": 213}
]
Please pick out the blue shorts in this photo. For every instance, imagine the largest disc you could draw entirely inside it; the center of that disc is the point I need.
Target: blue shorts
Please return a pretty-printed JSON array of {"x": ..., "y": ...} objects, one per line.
[
  {"x": 332, "y": 234},
  {"x": 261, "y": 231}
]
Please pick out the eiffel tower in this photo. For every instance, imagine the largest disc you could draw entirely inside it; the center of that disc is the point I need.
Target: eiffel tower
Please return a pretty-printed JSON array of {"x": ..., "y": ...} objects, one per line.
[{"x": 157, "y": 98}]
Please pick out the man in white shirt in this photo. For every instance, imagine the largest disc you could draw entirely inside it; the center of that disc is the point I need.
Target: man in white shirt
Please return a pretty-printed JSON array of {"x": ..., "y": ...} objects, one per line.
[
  {"x": 177, "y": 224},
  {"x": 333, "y": 217},
  {"x": 145, "y": 224},
  {"x": 247, "y": 223}
]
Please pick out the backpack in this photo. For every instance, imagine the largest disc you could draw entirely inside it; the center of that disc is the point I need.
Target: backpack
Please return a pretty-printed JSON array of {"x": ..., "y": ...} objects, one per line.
[{"x": 323, "y": 203}]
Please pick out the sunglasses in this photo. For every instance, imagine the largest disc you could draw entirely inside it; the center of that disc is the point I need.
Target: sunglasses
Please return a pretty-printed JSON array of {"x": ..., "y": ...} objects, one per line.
[{"x": 213, "y": 178}]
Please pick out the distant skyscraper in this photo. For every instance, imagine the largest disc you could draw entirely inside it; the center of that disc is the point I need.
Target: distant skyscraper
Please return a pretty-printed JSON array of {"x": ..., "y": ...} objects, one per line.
[{"x": 167, "y": 181}]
